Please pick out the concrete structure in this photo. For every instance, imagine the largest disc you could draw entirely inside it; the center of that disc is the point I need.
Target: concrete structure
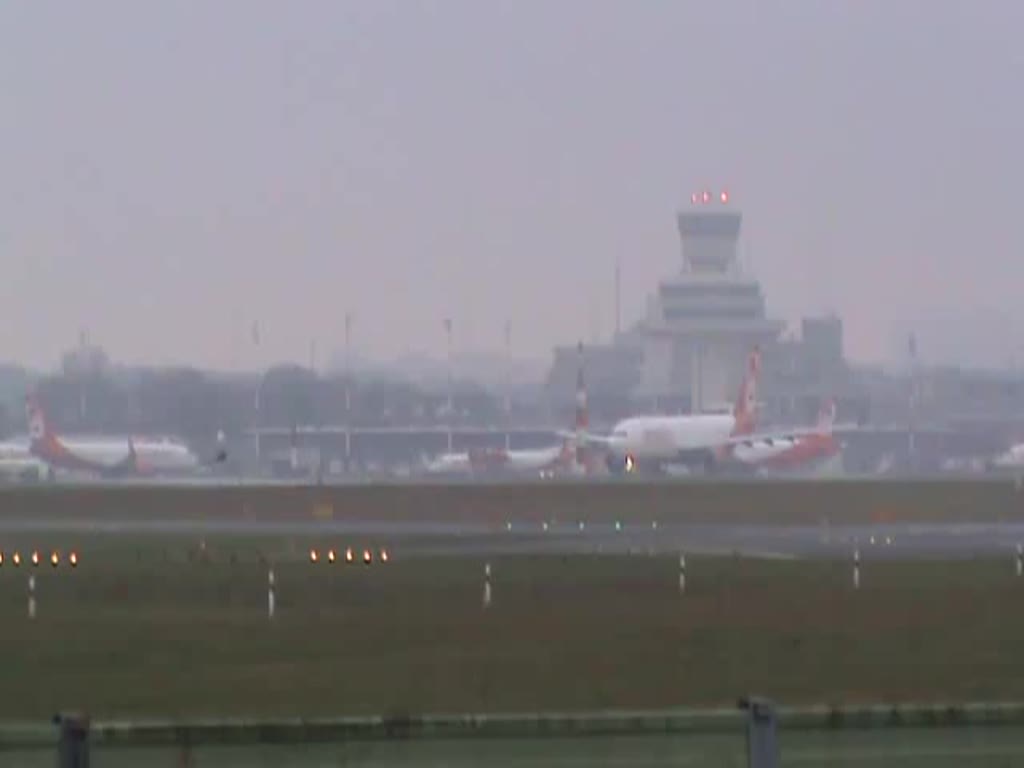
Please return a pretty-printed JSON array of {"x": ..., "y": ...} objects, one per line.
[{"x": 701, "y": 323}]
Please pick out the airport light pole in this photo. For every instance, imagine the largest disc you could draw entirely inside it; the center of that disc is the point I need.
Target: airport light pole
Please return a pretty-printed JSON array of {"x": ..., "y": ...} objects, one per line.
[
  {"x": 451, "y": 409},
  {"x": 348, "y": 391},
  {"x": 912, "y": 403},
  {"x": 508, "y": 385}
]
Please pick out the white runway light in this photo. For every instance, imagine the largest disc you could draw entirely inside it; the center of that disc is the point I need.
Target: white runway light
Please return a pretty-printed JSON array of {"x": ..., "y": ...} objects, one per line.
[
  {"x": 487, "y": 585},
  {"x": 270, "y": 593},
  {"x": 32, "y": 596}
]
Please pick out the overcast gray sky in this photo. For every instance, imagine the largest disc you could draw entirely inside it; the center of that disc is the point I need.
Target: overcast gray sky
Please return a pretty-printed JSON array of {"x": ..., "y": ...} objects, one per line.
[{"x": 171, "y": 172}]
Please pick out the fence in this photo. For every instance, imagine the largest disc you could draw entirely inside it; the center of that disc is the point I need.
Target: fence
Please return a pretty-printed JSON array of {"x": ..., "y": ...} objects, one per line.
[{"x": 756, "y": 734}]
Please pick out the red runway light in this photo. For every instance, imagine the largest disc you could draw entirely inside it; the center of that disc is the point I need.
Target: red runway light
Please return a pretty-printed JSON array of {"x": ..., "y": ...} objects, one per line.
[{"x": 367, "y": 557}]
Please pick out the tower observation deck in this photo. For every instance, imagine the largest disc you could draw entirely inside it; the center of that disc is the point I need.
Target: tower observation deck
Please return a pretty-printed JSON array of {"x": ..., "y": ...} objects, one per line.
[{"x": 702, "y": 322}]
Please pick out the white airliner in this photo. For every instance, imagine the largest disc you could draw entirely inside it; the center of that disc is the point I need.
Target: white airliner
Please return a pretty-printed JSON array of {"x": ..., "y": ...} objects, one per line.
[
  {"x": 794, "y": 451},
  {"x": 542, "y": 462},
  {"x": 107, "y": 456},
  {"x": 561, "y": 459},
  {"x": 648, "y": 443},
  {"x": 18, "y": 463},
  {"x": 1012, "y": 458}
]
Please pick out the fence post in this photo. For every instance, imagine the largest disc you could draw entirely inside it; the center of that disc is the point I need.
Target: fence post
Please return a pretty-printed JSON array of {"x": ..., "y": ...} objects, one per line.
[
  {"x": 682, "y": 573},
  {"x": 73, "y": 743},
  {"x": 32, "y": 596},
  {"x": 856, "y": 569},
  {"x": 762, "y": 737}
]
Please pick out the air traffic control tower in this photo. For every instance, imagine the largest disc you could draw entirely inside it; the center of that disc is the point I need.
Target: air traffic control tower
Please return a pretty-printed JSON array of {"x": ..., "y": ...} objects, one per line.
[{"x": 702, "y": 322}]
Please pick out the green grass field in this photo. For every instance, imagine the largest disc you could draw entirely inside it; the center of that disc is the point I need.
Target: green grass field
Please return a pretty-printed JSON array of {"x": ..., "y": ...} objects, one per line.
[{"x": 150, "y": 627}]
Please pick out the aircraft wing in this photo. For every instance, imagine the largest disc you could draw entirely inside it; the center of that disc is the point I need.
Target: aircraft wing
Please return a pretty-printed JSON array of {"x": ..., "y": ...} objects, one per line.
[
  {"x": 585, "y": 438},
  {"x": 786, "y": 434}
]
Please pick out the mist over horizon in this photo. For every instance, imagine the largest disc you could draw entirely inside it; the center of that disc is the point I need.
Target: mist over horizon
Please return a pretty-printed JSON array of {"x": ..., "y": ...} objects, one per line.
[{"x": 175, "y": 173}]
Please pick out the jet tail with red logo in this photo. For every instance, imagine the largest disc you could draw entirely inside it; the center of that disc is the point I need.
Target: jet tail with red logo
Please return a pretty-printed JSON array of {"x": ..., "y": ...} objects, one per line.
[
  {"x": 46, "y": 445},
  {"x": 745, "y": 409}
]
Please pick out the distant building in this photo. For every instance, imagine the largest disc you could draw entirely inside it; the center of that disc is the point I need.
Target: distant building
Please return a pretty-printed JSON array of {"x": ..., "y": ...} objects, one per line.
[
  {"x": 689, "y": 351},
  {"x": 611, "y": 371},
  {"x": 702, "y": 322},
  {"x": 85, "y": 360}
]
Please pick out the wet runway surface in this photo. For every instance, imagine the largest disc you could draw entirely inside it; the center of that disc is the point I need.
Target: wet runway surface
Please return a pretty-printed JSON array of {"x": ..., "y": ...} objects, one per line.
[{"x": 899, "y": 540}]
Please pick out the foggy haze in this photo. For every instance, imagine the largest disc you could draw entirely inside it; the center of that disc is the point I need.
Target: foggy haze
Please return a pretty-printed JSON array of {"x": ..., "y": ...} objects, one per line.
[{"x": 174, "y": 172}]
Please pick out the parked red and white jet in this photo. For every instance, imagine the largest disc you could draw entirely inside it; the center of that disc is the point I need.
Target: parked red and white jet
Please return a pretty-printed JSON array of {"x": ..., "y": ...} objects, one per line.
[
  {"x": 782, "y": 452},
  {"x": 565, "y": 458},
  {"x": 650, "y": 443},
  {"x": 107, "y": 456}
]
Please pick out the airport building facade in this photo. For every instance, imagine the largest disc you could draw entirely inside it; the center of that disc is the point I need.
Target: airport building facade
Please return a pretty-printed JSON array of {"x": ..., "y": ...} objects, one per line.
[{"x": 688, "y": 352}]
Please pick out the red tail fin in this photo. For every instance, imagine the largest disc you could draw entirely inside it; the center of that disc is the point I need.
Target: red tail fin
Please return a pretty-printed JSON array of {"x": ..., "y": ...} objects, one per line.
[{"x": 745, "y": 409}]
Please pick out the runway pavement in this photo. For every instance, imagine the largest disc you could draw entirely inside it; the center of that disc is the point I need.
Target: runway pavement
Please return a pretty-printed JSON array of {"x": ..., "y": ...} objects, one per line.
[{"x": 889, "y": 541}]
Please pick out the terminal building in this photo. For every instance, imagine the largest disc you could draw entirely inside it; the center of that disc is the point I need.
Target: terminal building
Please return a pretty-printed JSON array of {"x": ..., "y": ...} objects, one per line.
[{"x": 688, "y": 352}]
